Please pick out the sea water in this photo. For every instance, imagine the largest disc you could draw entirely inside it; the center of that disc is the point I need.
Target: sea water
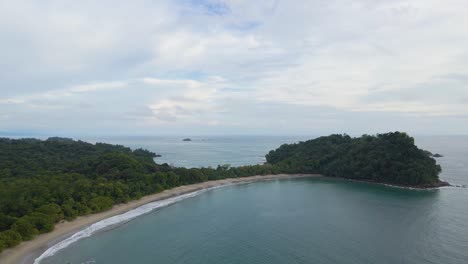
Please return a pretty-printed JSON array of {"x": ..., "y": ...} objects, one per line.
[{"x": 284, "y": 221}]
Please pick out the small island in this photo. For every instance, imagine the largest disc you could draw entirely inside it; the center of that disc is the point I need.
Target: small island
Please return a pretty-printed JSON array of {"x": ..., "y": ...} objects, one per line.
[
  {"x": 428, "y": 153},
  {"x": 186, "y": 139}
]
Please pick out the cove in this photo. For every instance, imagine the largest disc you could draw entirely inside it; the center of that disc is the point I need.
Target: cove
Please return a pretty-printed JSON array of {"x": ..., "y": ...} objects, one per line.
[{"x": 289, "y": 221}]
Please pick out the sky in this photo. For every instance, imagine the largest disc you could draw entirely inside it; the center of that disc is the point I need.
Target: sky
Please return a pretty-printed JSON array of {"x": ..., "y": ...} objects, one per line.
[{"x": 271, "y": 67}]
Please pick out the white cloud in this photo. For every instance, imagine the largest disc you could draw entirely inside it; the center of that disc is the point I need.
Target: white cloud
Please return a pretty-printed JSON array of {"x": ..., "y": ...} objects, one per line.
[
  {"x": 178, "y": 63},
  {"x": 164, "y": 82},
  {"x": 415, "y": 107},
  {"x": 45, "y": 96},
  {"x": 371, "y": 47},
  {"x": 97, "y": 87},
  {"x": 190, "y": 101}
]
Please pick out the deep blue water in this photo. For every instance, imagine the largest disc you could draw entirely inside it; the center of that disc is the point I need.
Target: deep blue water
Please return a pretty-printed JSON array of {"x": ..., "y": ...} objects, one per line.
[{"x": 289, "y": 221}]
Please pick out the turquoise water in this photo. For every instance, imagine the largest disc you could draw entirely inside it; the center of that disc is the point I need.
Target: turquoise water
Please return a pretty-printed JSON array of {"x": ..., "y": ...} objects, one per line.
[{"x": 296, "y": 221}]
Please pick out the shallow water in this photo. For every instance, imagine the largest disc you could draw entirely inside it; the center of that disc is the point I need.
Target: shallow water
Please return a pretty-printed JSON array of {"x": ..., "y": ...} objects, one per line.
[{"x": 297, "y": 221}]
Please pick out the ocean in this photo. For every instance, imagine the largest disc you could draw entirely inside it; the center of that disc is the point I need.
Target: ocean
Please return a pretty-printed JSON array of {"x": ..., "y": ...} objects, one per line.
[
  {"x": 205, "y": 151},
  {"x": 286, "y": 221}
]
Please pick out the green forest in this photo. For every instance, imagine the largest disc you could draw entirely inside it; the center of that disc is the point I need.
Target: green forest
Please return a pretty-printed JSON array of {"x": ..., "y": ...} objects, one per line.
[
  {"x": 43, "y": 182},
  {"x": 387, "y": 158}
]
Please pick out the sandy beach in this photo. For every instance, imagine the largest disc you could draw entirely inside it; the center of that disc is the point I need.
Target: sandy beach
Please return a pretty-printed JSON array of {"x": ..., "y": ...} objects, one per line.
[{"x": 28, "y": 251}]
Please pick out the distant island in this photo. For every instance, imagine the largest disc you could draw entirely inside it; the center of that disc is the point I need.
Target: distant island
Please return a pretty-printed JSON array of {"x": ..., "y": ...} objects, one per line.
[
  {"x": 43, "y": 182},
  {"x": 186, "y": 139},
  {"x": 436, "y": 155}
]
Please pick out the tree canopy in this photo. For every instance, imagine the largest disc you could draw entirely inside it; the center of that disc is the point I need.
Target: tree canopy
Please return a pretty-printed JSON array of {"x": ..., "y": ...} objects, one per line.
[{"x": 388, "y": 158}]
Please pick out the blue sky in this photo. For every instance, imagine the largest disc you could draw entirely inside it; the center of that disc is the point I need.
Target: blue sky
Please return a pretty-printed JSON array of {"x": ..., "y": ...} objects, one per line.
[{"x": 233, "y": 67}]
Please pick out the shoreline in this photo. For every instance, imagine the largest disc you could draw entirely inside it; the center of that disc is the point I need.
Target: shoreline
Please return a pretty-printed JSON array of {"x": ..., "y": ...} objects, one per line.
[
  {"x": 410, "y": 187},
  {"x": 28, "y": 251}
]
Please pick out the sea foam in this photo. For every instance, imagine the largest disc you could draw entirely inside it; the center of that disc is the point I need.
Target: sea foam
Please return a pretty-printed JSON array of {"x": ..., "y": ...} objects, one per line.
[{"x": 118, "y": 219}]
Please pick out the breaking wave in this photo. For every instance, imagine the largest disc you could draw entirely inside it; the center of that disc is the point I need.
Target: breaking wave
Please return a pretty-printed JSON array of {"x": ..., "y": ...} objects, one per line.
[{"x": 118, "y": 219}]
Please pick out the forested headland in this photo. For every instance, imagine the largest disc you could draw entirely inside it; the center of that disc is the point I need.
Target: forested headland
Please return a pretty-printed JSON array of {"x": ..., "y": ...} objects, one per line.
[
  {"x": 385, "y": 158},
  {"x": 45, "y": 181}
]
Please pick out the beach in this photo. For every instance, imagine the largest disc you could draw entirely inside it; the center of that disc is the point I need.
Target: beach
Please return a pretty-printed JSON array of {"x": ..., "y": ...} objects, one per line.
[{"x": 28, "y": 251}]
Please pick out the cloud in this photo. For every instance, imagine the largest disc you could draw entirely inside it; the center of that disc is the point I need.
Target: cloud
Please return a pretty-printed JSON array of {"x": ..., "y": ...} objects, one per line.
[
  {"x": 416, "y": 108},
  {"x": 233, "y": 65},
  {"x": 61, "y": 94},
  {"x": 97, "y": 87},
  {"x": 162, "y": 82},
  {"x": 209, "y": 7},
  {"x": 192, "y": 101}
]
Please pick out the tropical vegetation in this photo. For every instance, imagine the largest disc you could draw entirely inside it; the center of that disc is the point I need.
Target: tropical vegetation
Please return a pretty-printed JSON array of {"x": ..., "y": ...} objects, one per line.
[
  {"x": 389, "y": 158},
  {"x": 43, "y": 182}
]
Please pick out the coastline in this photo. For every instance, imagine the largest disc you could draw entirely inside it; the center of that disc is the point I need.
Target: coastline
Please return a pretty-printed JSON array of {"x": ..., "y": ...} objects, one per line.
[
  {"x": 28, "y": 251},
  {"x": 412, "y": 187}
]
